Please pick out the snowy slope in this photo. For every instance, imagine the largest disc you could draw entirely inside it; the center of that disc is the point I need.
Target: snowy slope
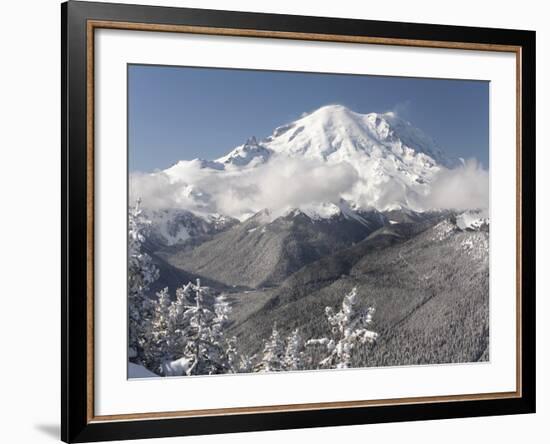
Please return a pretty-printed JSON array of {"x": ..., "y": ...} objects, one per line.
[
  {"x": 174, "y": 226},
  {"x": 335, "y": 133},
  {"x": 138, "y": 371},
  {"x": 250, "y": 152},
  {"x": 473, "y": 220}
]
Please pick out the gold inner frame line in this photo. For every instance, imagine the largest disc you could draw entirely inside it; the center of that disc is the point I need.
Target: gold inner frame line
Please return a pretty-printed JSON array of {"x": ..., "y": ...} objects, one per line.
[{"x": 97, "y": 24}]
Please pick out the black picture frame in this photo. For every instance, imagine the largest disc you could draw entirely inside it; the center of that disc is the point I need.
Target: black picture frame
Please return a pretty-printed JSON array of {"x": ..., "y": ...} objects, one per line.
[{"x": 76, "y": 423}]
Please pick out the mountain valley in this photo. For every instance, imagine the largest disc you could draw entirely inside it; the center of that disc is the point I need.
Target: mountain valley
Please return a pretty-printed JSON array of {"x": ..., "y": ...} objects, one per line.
[{"x": 286, "y": 225}]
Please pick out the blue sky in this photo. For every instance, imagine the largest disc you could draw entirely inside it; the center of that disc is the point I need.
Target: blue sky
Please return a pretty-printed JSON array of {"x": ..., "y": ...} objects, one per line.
[{"x": 179, "y": 113}]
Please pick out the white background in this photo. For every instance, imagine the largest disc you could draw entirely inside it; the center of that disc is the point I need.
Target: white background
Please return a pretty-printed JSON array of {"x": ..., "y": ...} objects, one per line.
[{"x": 29, "y": 184}]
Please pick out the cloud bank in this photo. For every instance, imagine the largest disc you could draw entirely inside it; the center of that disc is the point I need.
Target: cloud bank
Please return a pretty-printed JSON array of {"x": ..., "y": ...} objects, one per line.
[
  {"x": 285, "y": 183},
  {"x": 462, "y": 188},
  {"x": 278, "y": 185}
]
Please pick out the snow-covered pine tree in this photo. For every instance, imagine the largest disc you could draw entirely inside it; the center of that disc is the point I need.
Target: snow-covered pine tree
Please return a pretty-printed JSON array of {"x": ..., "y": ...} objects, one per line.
[
  {"x": 205, "y": 337},
  {"x": 273, "y": 354},
  {"x": 348, "y": 328},
  {"x": 178, "y": 323},
  {"x": 233, "y": 360},
  {"x": 246, "y": 363},
  {"x": 238, "y": 362},
  {"x": 171, "y": 362},
  {"x": 232, "y": 354},
  {"x": 294, "y": 352},
  {"x": 158, "y": 336},
  {"x": 141, "y": 274}
]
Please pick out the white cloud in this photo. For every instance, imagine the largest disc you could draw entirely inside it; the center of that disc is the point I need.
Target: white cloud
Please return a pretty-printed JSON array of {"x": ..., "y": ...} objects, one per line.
[
  {"x": 285, "y": 183},
  {"x": 402, "y": 109},
  {"x": 279, "y": 185},
  {"x": 156, "y": 191},
  {"x": 461, "y": 188}
]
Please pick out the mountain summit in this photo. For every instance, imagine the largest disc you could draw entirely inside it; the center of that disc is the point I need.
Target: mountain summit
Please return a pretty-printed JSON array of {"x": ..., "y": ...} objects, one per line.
[{"x": 335, "y": 133}]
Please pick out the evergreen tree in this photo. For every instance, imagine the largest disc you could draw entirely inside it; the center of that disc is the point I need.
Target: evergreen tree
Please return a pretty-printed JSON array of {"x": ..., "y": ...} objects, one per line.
[
  {"x": 232, "y": 354},
  {"x": 171, "y": 335},
  {"x": 187, "y": 335},
  {"x": 204, "y": 335},
  {"x": 348, "y": 331},
  {"x": 294, "y": 353},
  {"x": 141, "y": 274},
  {"x": 273, "y": 354},
  {"x": 238, "y": 363},
  {"x": 246, "y": 363},
  {"x": 178, "y": 323},
  {"x": 157, "y": 343}
]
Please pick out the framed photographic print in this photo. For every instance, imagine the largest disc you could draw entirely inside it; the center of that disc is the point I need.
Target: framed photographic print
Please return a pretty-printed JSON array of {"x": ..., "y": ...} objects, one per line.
[{"x": 276, "y": 221}]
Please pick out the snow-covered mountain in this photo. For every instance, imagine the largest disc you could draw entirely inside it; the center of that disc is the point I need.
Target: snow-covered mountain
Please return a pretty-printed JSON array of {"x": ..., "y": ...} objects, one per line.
[
  {"x": 175, "y": 226},
  {"x": 328, "y": 162},
  {"x": 263, "y": 252},
  {"x": 473, "y": 220},
  {"x": 334, "y": 134}
]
